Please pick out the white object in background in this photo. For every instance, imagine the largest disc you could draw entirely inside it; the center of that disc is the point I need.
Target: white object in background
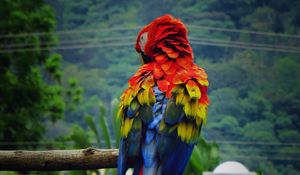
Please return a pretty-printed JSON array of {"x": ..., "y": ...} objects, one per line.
[{"x": 230, "y": 168}]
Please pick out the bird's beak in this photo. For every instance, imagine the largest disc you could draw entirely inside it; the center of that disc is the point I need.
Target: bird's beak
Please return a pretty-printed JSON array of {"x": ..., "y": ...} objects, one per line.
[{"x": 141, "y": 58}]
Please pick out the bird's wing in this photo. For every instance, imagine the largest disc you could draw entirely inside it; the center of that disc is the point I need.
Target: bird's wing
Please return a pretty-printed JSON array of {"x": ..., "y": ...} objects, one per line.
[
  {"x": 134, "y": 109},
  {"x": 181, "y": 124}
]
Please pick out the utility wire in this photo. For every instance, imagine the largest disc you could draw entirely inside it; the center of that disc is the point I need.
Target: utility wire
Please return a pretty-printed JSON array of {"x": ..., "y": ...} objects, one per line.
[
  {"x": 92, "y": 40},
  {"x": 205, "y": 43},
  {"x": 81, "y": 46},
  {"x": 64, "y": 42},
  {"x": 234, "y": 45},
  {"x": 63, "y": 32},
  {"x": 245, "y": 31},
  {"x": 66, "y": 32},
  {"x": 243, "y": 43}
]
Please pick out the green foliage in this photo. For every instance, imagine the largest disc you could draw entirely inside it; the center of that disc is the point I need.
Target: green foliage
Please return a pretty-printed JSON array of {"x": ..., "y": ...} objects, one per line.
[
  {"x": 27, "y": 99},
  {"x": 53, "y": 66},
  {"x": 205, "y": 157},
  {"x": 104, "y": 126},
  {"x": 92, "y": 125},
  {"x": 99, "y": 132},
  {"x": 79, "y": 137},
  {"x": 116, "y": 124},
  {"x": 262, "y": 18},
  {"x": 102, "y": 132}
]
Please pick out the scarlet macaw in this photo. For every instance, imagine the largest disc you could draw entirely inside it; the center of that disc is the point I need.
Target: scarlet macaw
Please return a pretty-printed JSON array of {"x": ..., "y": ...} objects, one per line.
[{"x": 164, "y": 107}]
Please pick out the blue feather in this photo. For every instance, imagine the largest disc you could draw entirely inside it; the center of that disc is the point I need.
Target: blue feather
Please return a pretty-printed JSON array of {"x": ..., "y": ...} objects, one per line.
[
  {"x": 149, "y": 136},
  {"x": 121, "y": 159},
  {"x": 176, "y": 160},
  {"x": 156, "y": 121},
  {"x": 149, "y": 151},
  {"x": 159, "y": 97},
  {"x": 130, "y": 112},
  {"x": 156, "y": 107},
  {"x": 150, "y": 145}
]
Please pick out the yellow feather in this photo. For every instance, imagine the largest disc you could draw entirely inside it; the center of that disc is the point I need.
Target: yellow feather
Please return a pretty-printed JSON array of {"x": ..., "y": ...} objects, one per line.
[
  {"x": 198, "y": 121},
  {"x": 203, "y": 82},
  {"x": 179, "y": 128},
  {"x": 178, "y": 90},
  {"x": 189, "y": 129},
  {"x": 193, "y": 91},
  {"x": 185, "y": 99},
  {"x": 194, "y": 108},
  {"x": 162, "y": 125},
  {"x": 127, "y": 126},
  {"x": 146, "y": 96},
  {"x": 183, "y": 131},
  {"x": 120, "y": 113},
  {"x": 152, "y": 97},
  {"x": 201, "y": 113},
  {"x": 134, "y": 105},
  {"x": 179, "y": 98},
  {"x": 122, "y": 128},
  {"x": 128, "y": 98},
  {"x": 140, "y": 97},
  {"x": 187, "y": 109}
]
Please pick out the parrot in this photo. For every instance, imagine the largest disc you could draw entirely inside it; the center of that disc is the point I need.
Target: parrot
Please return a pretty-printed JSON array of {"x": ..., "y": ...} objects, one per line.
[{"x": 165, "y": 104}]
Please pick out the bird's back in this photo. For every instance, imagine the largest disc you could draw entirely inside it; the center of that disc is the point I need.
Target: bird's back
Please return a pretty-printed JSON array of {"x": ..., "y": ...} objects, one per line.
[{"x": 160, "y": 129}]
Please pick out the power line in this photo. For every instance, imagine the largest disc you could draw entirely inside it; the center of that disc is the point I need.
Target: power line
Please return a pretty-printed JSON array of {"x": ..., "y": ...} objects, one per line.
[
  {"x": 233, "y": 45},
  {"x": 17, "y": 35},
  {"x": 239, "y": 43},
  {"x": 81, "y": 46},
  {"x": 64, "y": 32},
  {"x": 84, "y": 46},
  {"x": 72, "y": 41},
  {"x": 246, "y": 31},
  {"x": 243, "y": 43}
]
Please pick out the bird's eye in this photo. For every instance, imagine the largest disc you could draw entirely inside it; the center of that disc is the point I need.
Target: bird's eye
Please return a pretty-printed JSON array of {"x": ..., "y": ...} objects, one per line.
[
  {"x": 144, "y": 37},
  {"x": 143, "y": 40}
]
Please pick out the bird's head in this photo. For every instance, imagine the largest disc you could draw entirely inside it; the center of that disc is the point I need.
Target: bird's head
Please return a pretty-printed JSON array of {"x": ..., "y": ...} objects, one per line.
[{"x": 166, "y": 37}]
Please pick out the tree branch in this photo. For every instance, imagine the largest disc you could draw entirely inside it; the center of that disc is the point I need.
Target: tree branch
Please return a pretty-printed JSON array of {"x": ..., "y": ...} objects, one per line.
[{"x": 53, "y": 160}]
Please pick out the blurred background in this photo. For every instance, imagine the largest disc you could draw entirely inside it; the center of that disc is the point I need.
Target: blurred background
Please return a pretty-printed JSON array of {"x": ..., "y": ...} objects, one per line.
[{"x": 64, "y": 64}]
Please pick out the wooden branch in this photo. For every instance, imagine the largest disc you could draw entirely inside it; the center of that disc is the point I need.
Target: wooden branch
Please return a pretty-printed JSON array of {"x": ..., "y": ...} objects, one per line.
[{"x": 84, "y": 159}]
